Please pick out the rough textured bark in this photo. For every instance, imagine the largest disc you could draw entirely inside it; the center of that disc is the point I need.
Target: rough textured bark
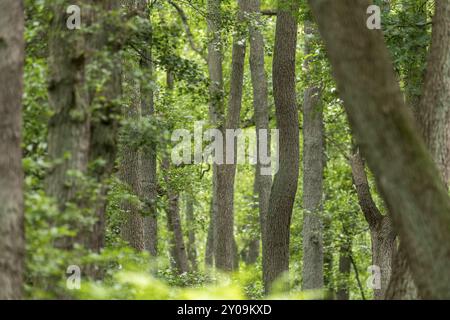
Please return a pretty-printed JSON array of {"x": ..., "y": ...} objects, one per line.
[
  {"x": 133, "y": 228},
  {"x": 69, "y": 126},
  {"x": 328, "y": 259},
  {"x": 434, "y": 113},
  {"x": 276, "y": 249},
  {"x": 216, "y": 106},
  {"x": 224, "y": 235},
  {"x": 104, "y": 124},
  {"x": 148, "y": 154},
  {"x": 385, "y": 131},
  {"x": 251, "y": 254},
  {"x": 345, "y": 263},
  {"x": 313, "y": 166},
  {"x": 402, "y": 284},
  {"x": 12, "y": 244},
  {"x": 382, "y": 233},
  {"x": 190, "y": 223},
  {"x": 263, "y": 182},
  {"x": 177, "y": 246},
  {"x": 433, "y": 116}
]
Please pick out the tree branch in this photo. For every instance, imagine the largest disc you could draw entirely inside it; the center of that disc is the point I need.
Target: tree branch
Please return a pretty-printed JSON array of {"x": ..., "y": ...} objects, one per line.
[
  {"x": 357, "y": 276},
  {"x": 368, "y": 206},
  {"x": 187, "y": 29},
  {"x": 269, "y": 12}
]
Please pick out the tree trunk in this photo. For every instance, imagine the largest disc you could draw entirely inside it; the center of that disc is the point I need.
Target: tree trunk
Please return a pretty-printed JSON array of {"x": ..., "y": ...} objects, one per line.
[
  {"x": 69, "y": 126},
  {"x": 276, "y": 249},
  {"x": 402, "y": 285},
  {"x": 384, "y": 129},
  {"x": 104, "y": 123},
  {"x": 328, "y": 260},
  {"x": 313, "y": 166},
  {"x": 177, "y": 246},
  {"x": 148, "y": 156},
  {"x": 263, "y": 181},
  {"x": 130, "y": 169},
  {"x": 12, "y": 243},
  {"x": 343, "y": 291},
  {"x": 190, "y": 223},
  {"x": 226, "y": 172},
  {"x": 209, "y": 251},
  {"x": 251, "y": 254},
  {"x": 216, "y": 106},
  {"x": 433, "y": 115},
  {"x": 382, "y": 232}
]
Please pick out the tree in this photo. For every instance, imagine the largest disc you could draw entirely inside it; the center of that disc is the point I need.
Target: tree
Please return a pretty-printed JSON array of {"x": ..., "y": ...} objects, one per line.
[
  {"x": 177, "y": 245},
  {"x": 433, "y": 115},
  {"x": 148, "y": 156},
  {"x": 104, "y": 124},
  {"x": 129, "y": 171},
  {"x": 69, "y": 126},
  {"x": 434, "y": 112},
  {"x": 276, "y": 249},
  {"x": 382, "y": 233},
  {"x": 12, "y": 242},
  {"x": 216, "y": 106},
  {"x": 263, "y": 181},
  {"x": 384, "y": 129},
  {"x": 343, "y": 290},
  {"x": 313, "y": 167},
  {"x": 191, "y": 228},
  {"x": 226, "y": 172}
]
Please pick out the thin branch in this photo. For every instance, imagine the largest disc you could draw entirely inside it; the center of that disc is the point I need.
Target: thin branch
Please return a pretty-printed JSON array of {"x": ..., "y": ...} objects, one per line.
[
  {"x": 269, "y": 12},
  {"x": 357, "y": 275},
  {"x": 187, "y": 29},
  {"x": 139, "y": 52},
  {"x": 338, "y": 146}
]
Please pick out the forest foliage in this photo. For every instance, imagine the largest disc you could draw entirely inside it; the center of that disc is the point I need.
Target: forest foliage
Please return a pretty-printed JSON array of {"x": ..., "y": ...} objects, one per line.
[{"x": 173, "y": 35}]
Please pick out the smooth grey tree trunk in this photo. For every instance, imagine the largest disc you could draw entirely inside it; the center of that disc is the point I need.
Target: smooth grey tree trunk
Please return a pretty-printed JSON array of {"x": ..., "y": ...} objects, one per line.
[
  {"x": 12, "y": 242},
  {"x": 284, "y": 188},
  {"x": 385, "y": 131}
]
